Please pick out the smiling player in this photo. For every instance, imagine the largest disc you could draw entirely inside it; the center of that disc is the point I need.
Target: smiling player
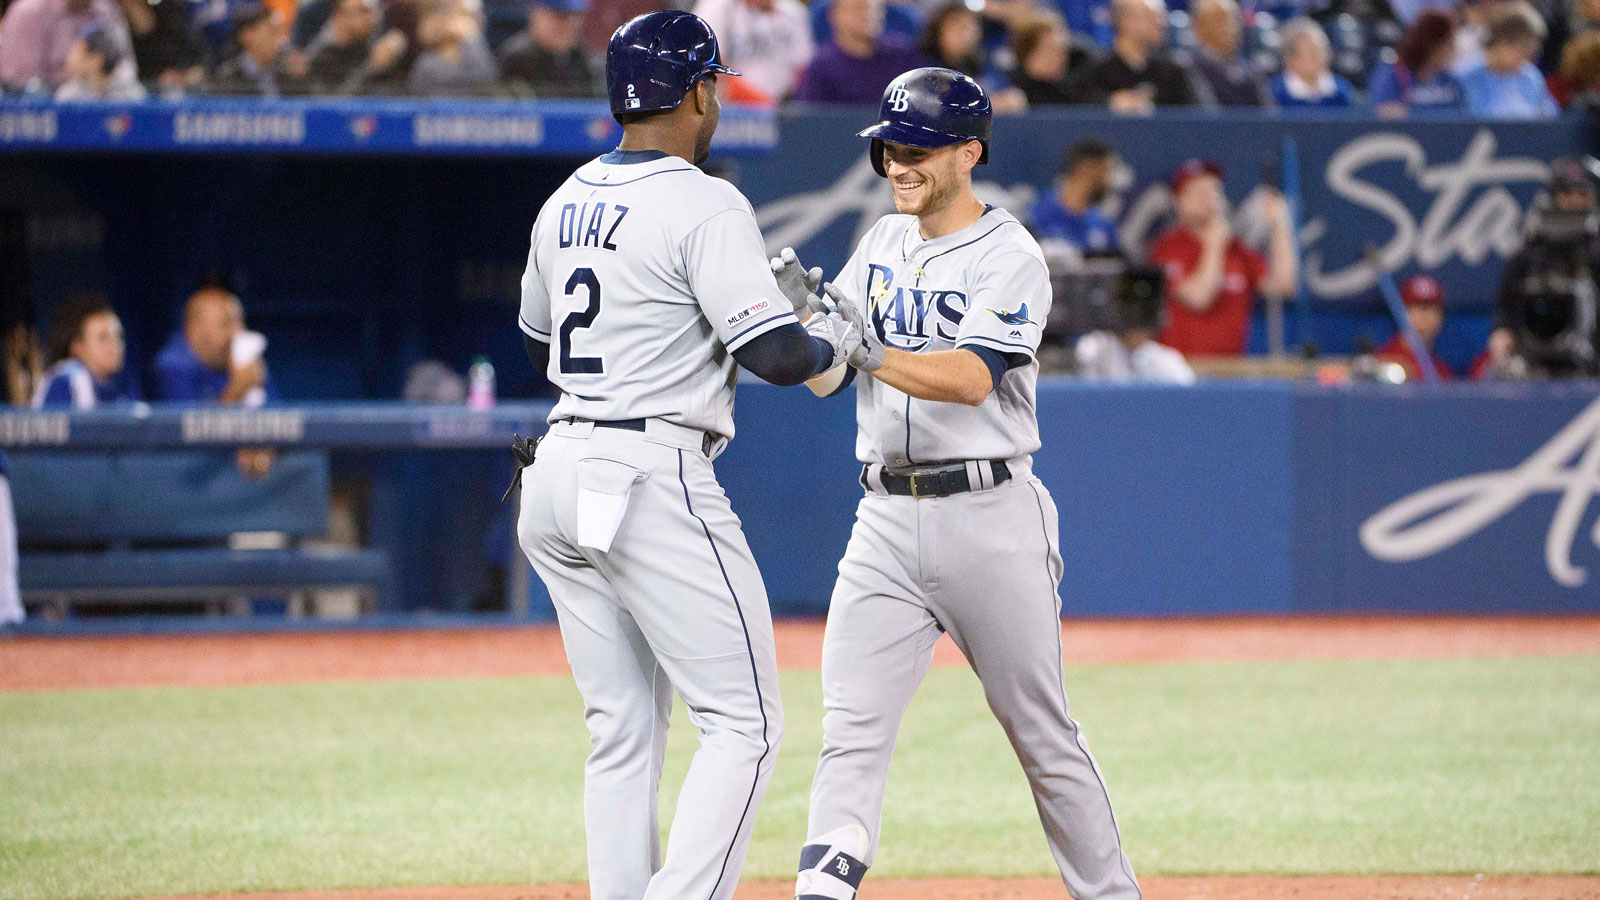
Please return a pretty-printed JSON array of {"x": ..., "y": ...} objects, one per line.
[{"x": 954, "y": 533}]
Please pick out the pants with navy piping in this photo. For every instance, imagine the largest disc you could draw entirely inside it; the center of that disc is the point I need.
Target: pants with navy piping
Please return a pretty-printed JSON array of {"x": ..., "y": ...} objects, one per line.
[
  {"x": 985, "y": 567},
  {"x": 675, "y": 603}
]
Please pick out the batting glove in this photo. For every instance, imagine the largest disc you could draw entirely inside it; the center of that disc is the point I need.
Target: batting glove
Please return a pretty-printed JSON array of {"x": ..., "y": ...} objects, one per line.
[
  {"x": 844, "y": 338},
  {"x": 794, "y": 280},
  {"x": 868, "y": 354}
]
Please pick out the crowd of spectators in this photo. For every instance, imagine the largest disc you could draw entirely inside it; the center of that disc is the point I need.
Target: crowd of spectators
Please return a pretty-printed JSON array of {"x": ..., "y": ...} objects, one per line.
[{"x": 1489, "y": 58}]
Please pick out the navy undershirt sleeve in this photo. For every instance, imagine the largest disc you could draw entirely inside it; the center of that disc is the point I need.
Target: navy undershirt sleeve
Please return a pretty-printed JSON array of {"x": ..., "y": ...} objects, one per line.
[
  {"x": 538, "y": 353},
  {"x": 998, "y": 362},
  {"x": 786, "y": 355}
]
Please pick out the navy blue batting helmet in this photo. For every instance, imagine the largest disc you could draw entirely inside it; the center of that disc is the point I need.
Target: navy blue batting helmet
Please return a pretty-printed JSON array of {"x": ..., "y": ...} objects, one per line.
[
  {"x": 930, "y": 107},
  {"x": 655, "y": 59}
]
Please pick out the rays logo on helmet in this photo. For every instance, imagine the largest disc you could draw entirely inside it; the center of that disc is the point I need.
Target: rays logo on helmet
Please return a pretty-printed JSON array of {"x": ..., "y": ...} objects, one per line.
[{"x": 899, "y": 99}]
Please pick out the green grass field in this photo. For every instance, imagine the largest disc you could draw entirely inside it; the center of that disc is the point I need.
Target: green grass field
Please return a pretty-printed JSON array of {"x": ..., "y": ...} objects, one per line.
[{"x": 1452, "y": 766}]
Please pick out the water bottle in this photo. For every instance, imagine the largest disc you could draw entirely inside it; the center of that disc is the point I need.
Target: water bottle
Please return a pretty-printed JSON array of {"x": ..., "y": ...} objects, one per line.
[{"x": 480, "y": 384}]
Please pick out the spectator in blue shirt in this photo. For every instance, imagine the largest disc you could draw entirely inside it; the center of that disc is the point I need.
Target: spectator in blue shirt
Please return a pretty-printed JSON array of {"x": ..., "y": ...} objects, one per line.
[
  {"x": 1508, "y": 85},
  {"x": 1420, "y": 77},
  {"x": 1307, "y": 82},
  {"x": 85, "y": 356},
  {"x": 196, "y": 365},
  {"x": 1068, "y": 222}
]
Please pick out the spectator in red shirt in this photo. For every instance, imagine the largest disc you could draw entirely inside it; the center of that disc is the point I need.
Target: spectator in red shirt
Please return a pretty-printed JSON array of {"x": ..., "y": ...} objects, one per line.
[
  {"x": 1424, "y": 300},
  {"x": 1212, "y": 276}
]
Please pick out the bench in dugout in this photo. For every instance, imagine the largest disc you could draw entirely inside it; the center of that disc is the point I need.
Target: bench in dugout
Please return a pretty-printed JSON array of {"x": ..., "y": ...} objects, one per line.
[{"x": 154, "y": 527}]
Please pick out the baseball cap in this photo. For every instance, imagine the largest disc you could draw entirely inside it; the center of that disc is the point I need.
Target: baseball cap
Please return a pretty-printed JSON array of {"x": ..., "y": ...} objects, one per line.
[
  {"x": 1193, "y": 169},
  {"x": 1422, "y": 290},
  {"x": 564, "y": 6}
]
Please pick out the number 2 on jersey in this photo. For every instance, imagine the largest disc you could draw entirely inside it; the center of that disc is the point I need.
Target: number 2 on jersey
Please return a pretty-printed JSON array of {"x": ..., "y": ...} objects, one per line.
[{"x": 581, "y": 365}]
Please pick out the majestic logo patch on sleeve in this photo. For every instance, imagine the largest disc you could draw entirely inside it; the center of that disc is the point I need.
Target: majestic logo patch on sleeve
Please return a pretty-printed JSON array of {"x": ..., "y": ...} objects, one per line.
[
  {"x": 1019, "y": 318},
  {"x": 748, "y": 312}
]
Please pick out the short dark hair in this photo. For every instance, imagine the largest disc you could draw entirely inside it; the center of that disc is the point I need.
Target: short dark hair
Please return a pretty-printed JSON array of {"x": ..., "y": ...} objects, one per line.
[
  {"x": 97, "y": 40},
  {"x": 1085, "y": 151},
  {"x": 67, "y": 324}
]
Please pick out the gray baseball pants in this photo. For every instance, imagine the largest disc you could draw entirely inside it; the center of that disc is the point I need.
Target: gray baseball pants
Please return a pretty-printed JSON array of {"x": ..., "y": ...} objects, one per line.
[
  {"x": 983, "y": 566},
  {"x": 675, "y": 602}
]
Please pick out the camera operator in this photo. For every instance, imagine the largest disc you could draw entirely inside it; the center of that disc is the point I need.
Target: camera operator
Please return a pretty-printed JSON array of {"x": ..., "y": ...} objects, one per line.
[
  {"x": 1126, "y": 350},
  {"x": 1545, "y": 314}
]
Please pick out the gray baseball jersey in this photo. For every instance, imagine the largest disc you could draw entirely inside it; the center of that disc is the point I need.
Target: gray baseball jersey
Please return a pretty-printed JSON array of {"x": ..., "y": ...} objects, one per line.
[
  {"x": 645, "y": 277},
  {"x": 644, "y": 274},
  {"x": 983, "y": 286},
  {"x": 982, "y": 565}
]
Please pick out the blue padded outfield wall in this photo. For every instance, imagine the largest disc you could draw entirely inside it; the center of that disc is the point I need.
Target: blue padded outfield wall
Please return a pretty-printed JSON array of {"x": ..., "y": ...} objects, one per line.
[
  {"x": 1227, "y": 497},
  {"x": 1253, "y": 497},
  {"x": 399, "y": 228}
]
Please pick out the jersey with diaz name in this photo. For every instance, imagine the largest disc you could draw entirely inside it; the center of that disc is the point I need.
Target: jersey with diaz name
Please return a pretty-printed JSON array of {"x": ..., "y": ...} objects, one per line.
[
  {"x": 983, "y": 286},
  {"x": 644, "y": 275}
]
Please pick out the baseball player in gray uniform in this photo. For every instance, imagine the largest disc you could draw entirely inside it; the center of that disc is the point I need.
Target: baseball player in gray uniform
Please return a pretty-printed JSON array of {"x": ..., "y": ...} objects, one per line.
[
  {"x": 646, "y": 281},
  {"x": 954, "y": 533}
]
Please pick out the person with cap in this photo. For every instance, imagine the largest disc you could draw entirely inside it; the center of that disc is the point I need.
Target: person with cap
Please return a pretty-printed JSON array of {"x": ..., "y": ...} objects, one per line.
[
  {"x": 859, "y": 60},
  {"x": 91, "y": 70},
  {"x": 1424, "y": 303},
  {"x": 37, "y": 37},
  {"x": 548, "y": 59},
  {"x": 767, "y": 40},
  {"x": 647, "y": 288},
  {"x": 260, "y": 68},
  {"x": 1213, "y": 277},
  {"x": 349, "y": 56}
]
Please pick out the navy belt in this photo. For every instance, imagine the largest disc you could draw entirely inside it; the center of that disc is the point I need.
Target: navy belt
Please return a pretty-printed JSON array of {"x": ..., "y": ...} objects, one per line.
[{"x": 937, "y": 484}]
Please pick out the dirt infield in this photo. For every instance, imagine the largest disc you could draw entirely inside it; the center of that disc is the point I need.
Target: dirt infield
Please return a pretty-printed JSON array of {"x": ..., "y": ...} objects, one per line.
[
  {"x": 1236, "y": 887},
  {"x": 50, "y": 663}
]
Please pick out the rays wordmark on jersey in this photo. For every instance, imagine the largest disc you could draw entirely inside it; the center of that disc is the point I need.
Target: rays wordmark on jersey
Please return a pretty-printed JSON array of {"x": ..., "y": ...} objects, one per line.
[{"x": 907, "y": 318}]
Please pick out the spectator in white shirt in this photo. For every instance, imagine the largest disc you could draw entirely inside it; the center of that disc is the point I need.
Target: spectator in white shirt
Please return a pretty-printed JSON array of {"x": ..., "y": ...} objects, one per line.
[
  {"x": 768, "y": 41},
  {"x": 1128, "y": 351}
]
